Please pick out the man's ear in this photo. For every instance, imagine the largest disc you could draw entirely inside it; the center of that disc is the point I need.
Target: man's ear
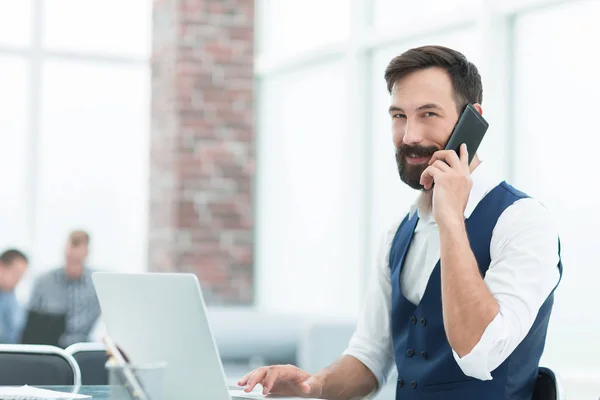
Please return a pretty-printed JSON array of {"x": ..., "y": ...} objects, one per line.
[{"x": 478, "y": 108}]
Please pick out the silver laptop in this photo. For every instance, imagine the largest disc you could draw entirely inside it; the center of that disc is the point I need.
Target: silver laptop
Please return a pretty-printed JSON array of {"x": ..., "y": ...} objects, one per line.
[{"x": 160, "y": 317}]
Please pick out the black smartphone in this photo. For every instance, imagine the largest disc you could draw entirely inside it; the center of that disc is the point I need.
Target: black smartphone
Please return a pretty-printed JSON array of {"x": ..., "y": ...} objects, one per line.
[{"x": 470, "y": 129}]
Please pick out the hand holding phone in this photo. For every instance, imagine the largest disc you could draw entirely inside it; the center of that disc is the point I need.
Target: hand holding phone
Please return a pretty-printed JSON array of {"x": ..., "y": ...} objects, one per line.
[{"x": 470, "y": 129}]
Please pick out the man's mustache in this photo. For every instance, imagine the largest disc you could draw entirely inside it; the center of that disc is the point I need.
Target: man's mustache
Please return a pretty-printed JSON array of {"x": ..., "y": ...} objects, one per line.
[{"x": 415, "y": 151}]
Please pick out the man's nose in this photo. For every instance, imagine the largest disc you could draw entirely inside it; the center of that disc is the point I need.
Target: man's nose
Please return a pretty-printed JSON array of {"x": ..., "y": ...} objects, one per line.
[{"x": 412, "y": 134}]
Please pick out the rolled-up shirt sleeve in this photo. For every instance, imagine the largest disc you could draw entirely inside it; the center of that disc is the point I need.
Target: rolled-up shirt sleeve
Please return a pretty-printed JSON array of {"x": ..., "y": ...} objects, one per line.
[
  {"x": 371, "y": 342},
  {"x": 522, "y": 274}
]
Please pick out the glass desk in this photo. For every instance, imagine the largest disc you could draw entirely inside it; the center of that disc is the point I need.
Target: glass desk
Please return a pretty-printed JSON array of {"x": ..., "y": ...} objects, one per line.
[
  {"x": 116, "y": 392},
  {"x": 97, "y": 392},
  {"x": 112, "y": 392}
]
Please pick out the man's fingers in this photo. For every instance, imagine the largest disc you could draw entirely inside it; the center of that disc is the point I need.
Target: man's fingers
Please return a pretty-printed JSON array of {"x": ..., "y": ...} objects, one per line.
[
  {"x": 449, "y": 156},
  {"x": 245, "y": 378},
  {"x": 429, "y": 175},
  {"x": 270, "y": 377},
  {"x": 310, "y": 386},
  {"x": 464, "y": 155},
  {"x": 305, "y": 387},
  {"x": 426, "y": 178},
  {"x": 441, "y": 165},
  {"x": 269, "y": 380},
  {"x": 255, "y": 378}
]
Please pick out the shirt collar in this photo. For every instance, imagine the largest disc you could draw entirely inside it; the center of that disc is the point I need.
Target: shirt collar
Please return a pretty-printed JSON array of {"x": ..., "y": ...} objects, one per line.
[{"x": 483, "y": 182}]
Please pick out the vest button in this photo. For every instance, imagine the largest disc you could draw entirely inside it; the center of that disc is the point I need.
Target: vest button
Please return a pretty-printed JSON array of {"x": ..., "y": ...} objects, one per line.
[
  {"x": 424, "y": 355},
  {"x": 413, "y": 320},
  {"x": 410, "y": 352},
  {"x": 413, "y": 384},
  {"x": 423, "y": 322},
  {"x": 400, "y": 382}
]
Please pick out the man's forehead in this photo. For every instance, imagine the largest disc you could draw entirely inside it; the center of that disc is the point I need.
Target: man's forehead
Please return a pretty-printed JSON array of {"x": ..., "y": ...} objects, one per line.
[
  {"x": 419, "y": 92},
  {"x": 414, "y": 87}
]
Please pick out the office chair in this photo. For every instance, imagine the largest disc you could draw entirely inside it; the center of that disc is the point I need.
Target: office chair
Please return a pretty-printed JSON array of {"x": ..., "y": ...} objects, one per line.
[
  {"x": 41, "y": 365},
  {"x": 91, "y": 358},
  {"x": 548, "y": 386}
]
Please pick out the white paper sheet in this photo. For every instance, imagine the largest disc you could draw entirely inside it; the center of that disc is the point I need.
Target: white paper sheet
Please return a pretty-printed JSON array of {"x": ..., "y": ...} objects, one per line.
[{"x": 33, "y": 393}]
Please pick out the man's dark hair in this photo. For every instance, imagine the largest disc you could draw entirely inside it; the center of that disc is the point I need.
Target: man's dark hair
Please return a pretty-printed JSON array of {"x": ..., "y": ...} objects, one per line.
[
  {"x": 466, "y": 81},
  {"x": 79, "y": 237},
  {"x": 11, "y": 255}
]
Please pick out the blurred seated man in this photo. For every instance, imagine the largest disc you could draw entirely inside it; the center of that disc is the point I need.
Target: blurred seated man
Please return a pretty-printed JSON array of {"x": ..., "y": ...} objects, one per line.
[
  {"x": 69, "y": 290},
  {"x": 13, "y": 264}
]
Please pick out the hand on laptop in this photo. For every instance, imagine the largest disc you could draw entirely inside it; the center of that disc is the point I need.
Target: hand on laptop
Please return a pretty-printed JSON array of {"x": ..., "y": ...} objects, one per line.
[{"x": 285, "y": 380}]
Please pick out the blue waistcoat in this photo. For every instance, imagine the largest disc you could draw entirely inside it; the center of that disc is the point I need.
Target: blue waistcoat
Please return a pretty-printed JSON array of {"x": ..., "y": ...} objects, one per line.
[{"x": 426, "y": 367}]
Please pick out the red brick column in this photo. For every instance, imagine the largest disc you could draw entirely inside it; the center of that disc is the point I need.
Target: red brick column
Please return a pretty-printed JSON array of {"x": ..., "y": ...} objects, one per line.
[{"x": 202, "y": 145}]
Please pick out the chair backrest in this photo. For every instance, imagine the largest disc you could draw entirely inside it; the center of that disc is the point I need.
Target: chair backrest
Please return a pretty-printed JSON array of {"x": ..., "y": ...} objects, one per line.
[
  {"x": 548, "y": 386},
  {"x": 91, "y": 358},
  {"x": 37, "y": 365}
]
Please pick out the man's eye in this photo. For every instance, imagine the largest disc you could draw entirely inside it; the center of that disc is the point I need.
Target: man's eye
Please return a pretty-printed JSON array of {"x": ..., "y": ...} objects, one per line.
[
  {"x": 399, "y": 116},
  {"x": 430, "y": 114}
]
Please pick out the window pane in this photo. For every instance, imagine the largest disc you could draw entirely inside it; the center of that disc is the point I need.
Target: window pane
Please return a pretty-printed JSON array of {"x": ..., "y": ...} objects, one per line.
[
  {"x": 391, "y": 198},
  {"x": 288, "y": 26},
  {"x": 303, "y": 204},
  {"x": 14, "y": 159},
  {"x": 15, "y": 22},
  {"x": 392, "y": 14},
  {"x": 100, "y": 26},
  {"x": 516, "y": 5},
  {"x": 93, "y": 162},
  {"x": 556, "y": 89}
]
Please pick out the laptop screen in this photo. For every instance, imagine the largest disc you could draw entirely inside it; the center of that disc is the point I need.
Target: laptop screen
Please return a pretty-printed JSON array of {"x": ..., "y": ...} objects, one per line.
[{"x": 43, "y": 328}]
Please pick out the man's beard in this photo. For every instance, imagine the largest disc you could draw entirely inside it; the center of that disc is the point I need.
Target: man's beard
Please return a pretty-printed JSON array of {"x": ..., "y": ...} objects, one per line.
[{"x": 409, "y": 173}]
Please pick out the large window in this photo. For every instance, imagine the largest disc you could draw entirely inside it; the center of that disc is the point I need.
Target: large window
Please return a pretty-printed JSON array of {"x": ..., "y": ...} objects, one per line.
[
  {"x": 555, "y": 101},
  {"x": 15, "y": 159},
  {"x": 303, "y": 193},
  {"x": 93, "y": 157},
  {"x": 286, "y": 27},
  {"x": 15, "y": 22},
  {"x": 74, "y": 129},
  {"x": 394, "y": 15},
  {"x": 100, "y": 27}
]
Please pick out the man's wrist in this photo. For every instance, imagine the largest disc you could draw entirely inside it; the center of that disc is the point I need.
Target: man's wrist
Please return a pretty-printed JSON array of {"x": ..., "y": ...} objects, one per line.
[
  {"x": 322, "y": 376},
  {"x": 451, "y": 222}
]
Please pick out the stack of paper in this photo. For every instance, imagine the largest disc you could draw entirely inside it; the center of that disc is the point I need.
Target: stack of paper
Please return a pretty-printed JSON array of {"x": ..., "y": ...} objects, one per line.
[{"x": 32, "y": 393}]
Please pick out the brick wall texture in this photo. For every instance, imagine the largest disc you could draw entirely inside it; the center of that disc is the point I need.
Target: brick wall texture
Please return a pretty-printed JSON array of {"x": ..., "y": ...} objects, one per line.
[{"x": 202, "y": 145}]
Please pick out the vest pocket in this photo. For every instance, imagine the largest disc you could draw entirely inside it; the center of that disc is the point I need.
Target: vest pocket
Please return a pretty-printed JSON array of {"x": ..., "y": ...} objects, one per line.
[{"x": 448, "y": 386}]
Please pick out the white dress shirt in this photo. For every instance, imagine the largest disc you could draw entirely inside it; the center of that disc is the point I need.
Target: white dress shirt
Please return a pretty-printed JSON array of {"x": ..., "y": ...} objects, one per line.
[{"x": 522, "y": 273}]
